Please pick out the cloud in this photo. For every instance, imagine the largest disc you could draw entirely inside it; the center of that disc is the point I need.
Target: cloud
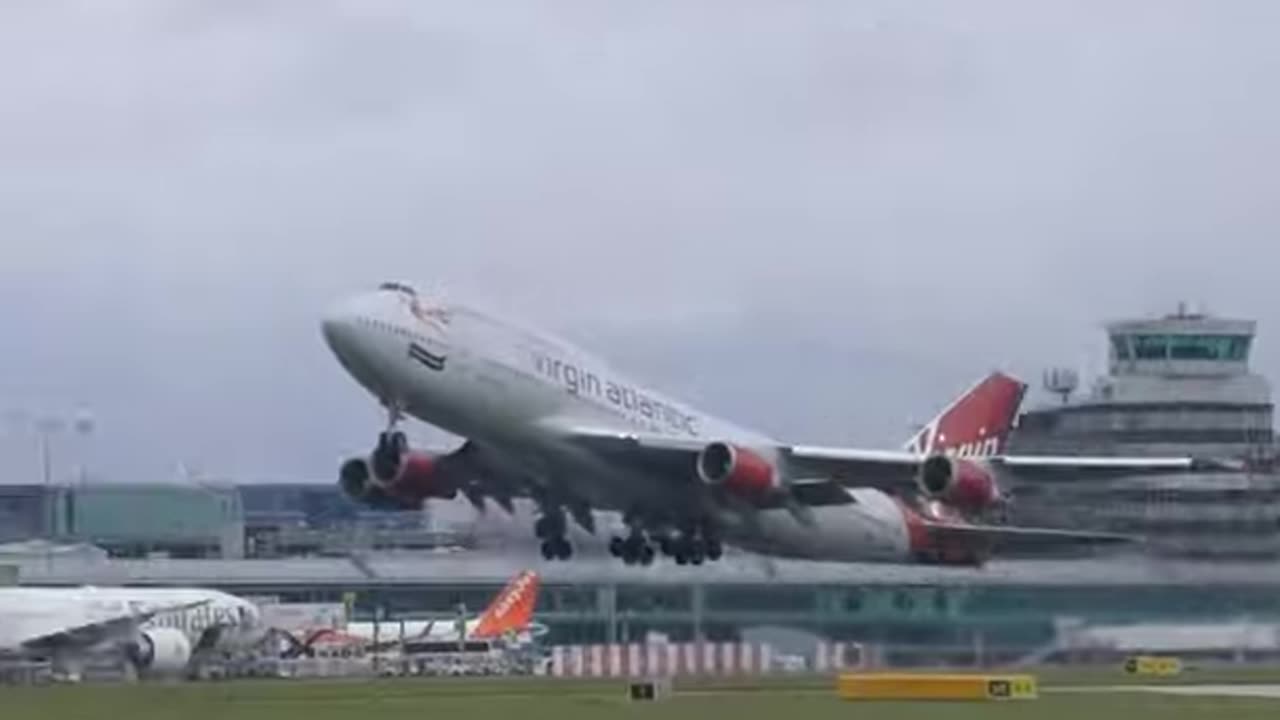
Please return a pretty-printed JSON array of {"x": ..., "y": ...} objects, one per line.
[{"x": 877, "y": 200}]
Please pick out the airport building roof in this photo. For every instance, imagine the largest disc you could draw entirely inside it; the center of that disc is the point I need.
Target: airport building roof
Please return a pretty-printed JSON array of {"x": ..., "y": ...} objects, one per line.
[{"x": 466, "y": 568}]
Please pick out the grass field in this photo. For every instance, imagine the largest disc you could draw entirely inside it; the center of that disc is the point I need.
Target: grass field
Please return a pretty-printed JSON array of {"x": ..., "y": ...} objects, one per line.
[{"x": 1062, "y": 696}]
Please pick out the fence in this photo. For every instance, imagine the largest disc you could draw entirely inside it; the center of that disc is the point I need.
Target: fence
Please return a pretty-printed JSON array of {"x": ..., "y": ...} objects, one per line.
[{"x": 672, "y": 659}]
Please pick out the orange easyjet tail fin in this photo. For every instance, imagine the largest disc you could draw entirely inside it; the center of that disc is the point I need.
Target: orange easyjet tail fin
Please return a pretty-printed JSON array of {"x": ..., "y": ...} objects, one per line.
[
  {"x": 512, "y": 609},
  {"x": 977, "y": 423}
]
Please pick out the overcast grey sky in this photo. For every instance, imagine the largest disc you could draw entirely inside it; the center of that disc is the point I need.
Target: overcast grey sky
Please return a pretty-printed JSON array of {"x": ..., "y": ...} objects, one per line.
[{"x": 820, "y": 217}]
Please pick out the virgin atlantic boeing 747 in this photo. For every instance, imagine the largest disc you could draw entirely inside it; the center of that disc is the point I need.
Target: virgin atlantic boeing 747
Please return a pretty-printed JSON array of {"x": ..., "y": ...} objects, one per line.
[{"x": 545, "y": 420}]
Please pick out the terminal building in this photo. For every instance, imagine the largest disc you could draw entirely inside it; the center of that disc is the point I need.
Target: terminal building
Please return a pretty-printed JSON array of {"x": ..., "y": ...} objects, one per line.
[{"x": 265, "y": 520}]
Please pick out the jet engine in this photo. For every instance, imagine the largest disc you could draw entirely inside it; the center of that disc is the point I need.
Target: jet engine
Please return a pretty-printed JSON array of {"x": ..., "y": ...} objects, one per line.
[
  {"x": 737, "y": 469},
  {"x": 958, "y": 482},
  {"x": 401, "y": 481},
  {"x": 160, "y": 650}
]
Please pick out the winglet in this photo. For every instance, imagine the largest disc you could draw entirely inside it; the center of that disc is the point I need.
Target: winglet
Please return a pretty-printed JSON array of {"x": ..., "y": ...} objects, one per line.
[
  {"x": 975, "y": 424},
  {"x": 512, "y": 609}
]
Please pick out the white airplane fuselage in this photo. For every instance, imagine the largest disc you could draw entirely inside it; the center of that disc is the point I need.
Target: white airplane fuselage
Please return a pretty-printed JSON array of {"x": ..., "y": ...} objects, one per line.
[
  {"x": 444, "y": 630},
  {"x": 215, "y": 621},
  {"x": 519, "y": 395}
]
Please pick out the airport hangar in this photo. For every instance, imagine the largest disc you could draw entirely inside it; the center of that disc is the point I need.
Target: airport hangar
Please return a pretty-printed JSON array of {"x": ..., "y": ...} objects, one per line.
[{"x": 305, "y": 543}]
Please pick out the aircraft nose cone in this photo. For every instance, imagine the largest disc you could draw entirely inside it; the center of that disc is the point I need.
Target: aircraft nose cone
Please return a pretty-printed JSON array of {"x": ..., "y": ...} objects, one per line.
[
  {"x": 331, "y": 325},
  {"x": 339, "y": 325}
]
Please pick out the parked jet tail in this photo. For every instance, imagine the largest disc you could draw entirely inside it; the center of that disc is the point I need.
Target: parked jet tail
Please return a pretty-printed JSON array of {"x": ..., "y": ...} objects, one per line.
[
  {"x": 512, "y": 609},
  {"x": 976, "y": 424}
]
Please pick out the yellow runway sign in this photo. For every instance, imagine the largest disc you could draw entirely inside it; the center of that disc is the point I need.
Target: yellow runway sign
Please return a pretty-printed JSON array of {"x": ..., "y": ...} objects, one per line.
[
  {"x": 1153, "y": 665},
  {"x": 934, "y": 686}
]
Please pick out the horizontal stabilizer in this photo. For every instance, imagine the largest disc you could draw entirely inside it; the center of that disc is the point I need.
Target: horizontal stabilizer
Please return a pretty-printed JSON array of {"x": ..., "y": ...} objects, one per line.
[{"x": 1009, "y": 541}]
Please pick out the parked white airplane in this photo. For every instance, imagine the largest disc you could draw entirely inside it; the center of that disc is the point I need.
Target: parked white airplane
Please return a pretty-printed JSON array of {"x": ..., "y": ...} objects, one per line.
[
  {"x": 546, "y": 420},
  {"x": 157, "y": 631},
  {"x": 509, "y": 617}
]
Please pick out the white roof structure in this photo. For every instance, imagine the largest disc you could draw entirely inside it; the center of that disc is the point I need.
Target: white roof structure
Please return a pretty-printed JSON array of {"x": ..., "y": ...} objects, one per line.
[{"x": 406, "y": 568}]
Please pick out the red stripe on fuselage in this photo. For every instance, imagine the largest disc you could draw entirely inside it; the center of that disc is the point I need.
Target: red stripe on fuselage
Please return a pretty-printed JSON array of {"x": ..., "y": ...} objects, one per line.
[{"x": 917, "y": 532}]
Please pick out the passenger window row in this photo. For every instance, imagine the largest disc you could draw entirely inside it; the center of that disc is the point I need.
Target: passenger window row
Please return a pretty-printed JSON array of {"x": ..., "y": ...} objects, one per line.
[{"x": 393, "y": 329}]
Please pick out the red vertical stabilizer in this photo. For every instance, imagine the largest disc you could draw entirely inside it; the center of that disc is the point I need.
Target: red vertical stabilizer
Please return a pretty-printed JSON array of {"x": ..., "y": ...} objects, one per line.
[
  {"x": 977, "y": 423},
  {"x": 512, "y": 609}
]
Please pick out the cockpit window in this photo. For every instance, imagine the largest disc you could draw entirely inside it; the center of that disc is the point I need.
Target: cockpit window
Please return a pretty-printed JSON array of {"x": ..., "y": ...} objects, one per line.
[{"x": 398, "y": 287}]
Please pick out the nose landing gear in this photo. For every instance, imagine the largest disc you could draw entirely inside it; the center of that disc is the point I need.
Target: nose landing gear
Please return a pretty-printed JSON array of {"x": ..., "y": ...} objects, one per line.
[
  {"x": 391, "y": 447},
  {"x": 392, "y": 444}
]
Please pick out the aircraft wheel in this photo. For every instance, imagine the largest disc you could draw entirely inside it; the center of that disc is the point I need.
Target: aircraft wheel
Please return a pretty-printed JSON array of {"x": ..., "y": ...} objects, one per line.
[
  {"x": 666, "y": 546},
  {"x": 646, "y": 555},
  {"x": 399, "y": 442},
  {"x": 549, "y": 527},
  {"x": 385, "y": 461},
  {"x": 714, "y": 550},
  {"x": 617, "y": 547},
  {"x": 634, "y": 544},
  {"x": 564, "y": 550},
  {"x": 548, "y": 550}
]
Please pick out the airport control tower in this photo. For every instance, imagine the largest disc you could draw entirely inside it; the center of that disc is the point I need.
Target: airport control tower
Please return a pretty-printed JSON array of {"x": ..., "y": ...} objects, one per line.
[{"x": 1177, "y": 385}]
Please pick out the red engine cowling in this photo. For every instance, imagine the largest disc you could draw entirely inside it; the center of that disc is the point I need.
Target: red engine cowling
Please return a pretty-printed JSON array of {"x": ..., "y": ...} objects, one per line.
[
  {"x": 406, "y": 483},
  {"x": 739, "y": 470},
  {"x": 960, "y": 483},
  {"x": 420, "y": 477}
]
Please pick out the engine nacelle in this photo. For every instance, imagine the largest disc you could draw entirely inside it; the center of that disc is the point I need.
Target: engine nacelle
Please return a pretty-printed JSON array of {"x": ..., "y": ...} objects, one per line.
[
  {"x": 160, "y": 650},
  {"x": 355, "y": 479},
  {"x": 739, "y": 470},
  {"x": 414, "y": 478},
  {"x": 958, "y": 482}
]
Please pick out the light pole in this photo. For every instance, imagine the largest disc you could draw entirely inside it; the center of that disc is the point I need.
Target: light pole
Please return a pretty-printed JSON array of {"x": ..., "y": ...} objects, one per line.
[
  {"x": 83, "y": 424},
  {"x": 46, "y": 427}
]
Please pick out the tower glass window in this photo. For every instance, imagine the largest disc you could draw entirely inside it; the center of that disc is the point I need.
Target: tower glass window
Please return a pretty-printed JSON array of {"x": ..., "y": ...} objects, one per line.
[
  {"x": 1196, "y": 347},
  {"x": 1151, "y": 347},
  {"x": 1238, "y": 347},
  {"x": 1120, "y": 343},
  {"x": 1183, "y": 347}
]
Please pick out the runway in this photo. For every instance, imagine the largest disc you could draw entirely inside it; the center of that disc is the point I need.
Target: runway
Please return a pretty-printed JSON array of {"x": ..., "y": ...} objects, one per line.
[
  {"x": 1271, "y": 692},
  {"x": 1253, "y": 691}
]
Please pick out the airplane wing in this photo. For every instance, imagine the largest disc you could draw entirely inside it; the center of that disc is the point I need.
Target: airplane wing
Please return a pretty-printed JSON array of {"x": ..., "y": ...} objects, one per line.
[
  {"x": 975, "y": 427},
  {"x": 888, "y": 470},
  {"x": 1013, "y": 541},
  {"x": 94, "y": 633},
  {"x": 885, "y": 469}
]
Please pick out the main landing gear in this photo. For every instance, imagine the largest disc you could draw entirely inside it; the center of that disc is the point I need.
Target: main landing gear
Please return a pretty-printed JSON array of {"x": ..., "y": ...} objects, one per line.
[
  {"x": 692, "y": 544},
  {"x": 550, "y": 528},
  {"x": 635, "y": 549}
]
